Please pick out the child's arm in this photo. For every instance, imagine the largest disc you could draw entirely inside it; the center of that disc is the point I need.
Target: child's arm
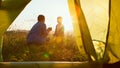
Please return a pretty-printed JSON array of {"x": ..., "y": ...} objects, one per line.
[{"x": 55, "y": 31}]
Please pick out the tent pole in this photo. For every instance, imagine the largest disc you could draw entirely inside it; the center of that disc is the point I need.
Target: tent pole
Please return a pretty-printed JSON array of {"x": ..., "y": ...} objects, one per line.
[{"x": 105, "y": 56}]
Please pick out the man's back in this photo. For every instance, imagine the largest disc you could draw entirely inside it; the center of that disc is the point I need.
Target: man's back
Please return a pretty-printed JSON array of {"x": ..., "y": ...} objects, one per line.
[{"x": 37, "y": 35}]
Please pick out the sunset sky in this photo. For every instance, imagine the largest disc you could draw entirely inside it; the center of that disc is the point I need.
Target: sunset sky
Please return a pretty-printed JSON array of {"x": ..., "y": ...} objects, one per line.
[
  {"x": 95, "y": 11},
  {"x": 50, "y": 8}
]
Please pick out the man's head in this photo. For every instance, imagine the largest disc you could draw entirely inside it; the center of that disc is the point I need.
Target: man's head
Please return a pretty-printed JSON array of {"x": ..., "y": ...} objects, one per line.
[
  {"x": 41, "y": 18},
  {"x": 59, "y": 19}
]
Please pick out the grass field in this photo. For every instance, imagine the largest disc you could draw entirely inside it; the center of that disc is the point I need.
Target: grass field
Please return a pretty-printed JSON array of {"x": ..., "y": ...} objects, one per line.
[{"x": 16, "y": 49}]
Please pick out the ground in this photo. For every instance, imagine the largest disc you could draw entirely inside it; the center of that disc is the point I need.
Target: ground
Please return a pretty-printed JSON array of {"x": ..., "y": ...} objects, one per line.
[{"x": 16, "y": 49}]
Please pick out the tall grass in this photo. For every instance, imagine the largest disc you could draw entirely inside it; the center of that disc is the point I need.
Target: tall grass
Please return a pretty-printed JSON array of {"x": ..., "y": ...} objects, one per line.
[{"x": 16, "y": 49}]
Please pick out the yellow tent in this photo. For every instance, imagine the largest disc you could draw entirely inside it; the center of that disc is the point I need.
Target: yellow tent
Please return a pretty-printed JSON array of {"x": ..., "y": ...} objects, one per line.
[
  {"x": 112, "y": 41},
  {"x": 80, "y": 25},
  {"x": 9, "y": 11},
  {"x": 112, "y": 36}
]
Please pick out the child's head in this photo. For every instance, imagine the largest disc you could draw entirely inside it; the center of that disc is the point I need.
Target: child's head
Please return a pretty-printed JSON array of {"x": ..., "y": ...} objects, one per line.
[
  {"x": 41, "y": 18},
  {"x": 59, "y": 19}
]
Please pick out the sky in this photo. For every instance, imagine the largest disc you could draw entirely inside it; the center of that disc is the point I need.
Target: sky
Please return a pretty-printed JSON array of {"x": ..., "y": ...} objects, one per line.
[
  {"x": 51, "y": 9},
  {"x": 95, "y": 11}
]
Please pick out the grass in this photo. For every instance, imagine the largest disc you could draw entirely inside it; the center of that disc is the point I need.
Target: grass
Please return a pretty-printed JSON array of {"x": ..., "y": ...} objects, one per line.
[{"x": 16, "y": 49}]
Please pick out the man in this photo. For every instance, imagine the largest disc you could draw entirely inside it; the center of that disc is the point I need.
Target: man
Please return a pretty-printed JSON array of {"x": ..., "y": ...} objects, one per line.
[{"x": 38, "y": 33}]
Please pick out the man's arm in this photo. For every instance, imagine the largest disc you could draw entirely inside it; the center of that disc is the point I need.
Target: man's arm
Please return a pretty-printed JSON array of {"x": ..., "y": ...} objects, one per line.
[{"x": 44, "y": 31}]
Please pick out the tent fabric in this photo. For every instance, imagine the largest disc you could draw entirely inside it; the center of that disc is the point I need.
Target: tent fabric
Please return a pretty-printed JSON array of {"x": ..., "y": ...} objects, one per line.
[
  {"x": 97, "y": 17},
  {"x": 82, "y": 33},
  {"x": 113, "y": 37},
  {"x": 81, "y": 30},
  {"x": 8, "y": 12}
]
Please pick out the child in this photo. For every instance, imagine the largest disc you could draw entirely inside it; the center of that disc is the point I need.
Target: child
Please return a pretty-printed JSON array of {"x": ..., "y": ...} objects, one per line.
[{"x": 59, "y": 31}]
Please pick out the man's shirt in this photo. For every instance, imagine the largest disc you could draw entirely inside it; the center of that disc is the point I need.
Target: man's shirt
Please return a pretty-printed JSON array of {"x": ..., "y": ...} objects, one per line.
[{"x": 37, "y": 34}]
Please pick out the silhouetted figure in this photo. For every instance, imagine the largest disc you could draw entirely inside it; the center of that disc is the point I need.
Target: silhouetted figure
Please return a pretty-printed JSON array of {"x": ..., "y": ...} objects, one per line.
[
  {"x": 59, "y": 31},
  {"x": 38, "y": 33}
]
